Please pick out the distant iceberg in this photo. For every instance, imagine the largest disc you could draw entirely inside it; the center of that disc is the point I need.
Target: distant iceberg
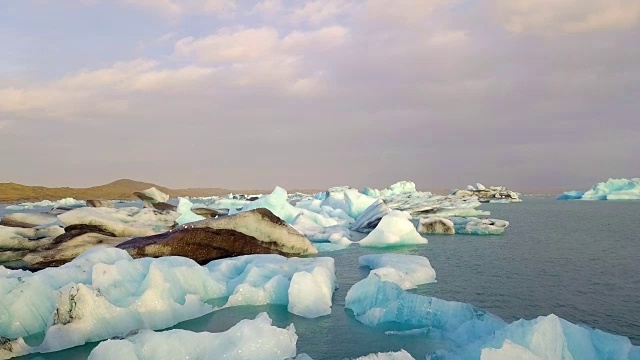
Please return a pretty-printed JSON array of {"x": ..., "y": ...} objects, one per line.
[
  {"x": 612, "y": 189},
  {"x": 69, "y": 202}
]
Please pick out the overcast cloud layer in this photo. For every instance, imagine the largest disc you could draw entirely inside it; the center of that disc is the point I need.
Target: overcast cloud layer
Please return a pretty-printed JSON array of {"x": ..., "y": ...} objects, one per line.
[{"x": 531, "y": 94}]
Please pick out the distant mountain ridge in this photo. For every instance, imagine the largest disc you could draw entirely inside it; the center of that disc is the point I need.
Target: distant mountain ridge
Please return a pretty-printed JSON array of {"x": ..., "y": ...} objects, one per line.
[{"x": 122, "y": 189}]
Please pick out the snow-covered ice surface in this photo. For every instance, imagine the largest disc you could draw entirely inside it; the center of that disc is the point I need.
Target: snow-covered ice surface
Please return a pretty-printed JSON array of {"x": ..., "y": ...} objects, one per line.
[
  {"x": 105, "y": 293},
  {"x": 247, "y": 340},
  {"x": 612, "y": 189}
]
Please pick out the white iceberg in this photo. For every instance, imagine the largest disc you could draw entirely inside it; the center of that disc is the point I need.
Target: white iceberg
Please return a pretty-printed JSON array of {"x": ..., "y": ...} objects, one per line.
[
  {"x": 408, "y": 271},
  {"x": 67, "y": 202},
  {"x": 276, "y": 202},
  {"x": 254, "y": 339},
  {"x": 394, "y": 229},
  {"x": 476, "y": 226}
]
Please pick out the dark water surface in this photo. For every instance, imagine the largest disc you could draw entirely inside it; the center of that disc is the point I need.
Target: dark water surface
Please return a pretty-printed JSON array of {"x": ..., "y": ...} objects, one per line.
[{"x": 579, "y": 260}]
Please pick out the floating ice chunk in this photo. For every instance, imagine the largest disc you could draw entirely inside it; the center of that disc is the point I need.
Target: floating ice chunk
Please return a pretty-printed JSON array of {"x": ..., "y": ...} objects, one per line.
[
  {"x": 28, "y": 219},
  {"x": 310, "y": 292},
  {"x": 471, "y": 188},
  {"x": 268, "y": 279},
  {"x": 186, "y": 215},
  {"x": 68, "y": 202},
  {"x": 547, "y": 337},
  {"x": 394, "y": 229},
  {"x": 276, "y": 202},
  {"x": 480, "y": 186},
  {"x": 374, "y": 301},
  {"x": 104, "y": 293},
  {"x": 475, "y": 226},
  {"x": 247, "y": 340},
  {"x": 408, "y": 271},
  {"x": 436, "y": 225},
  {"x": 153, "y": 194},
  {"x": 401, "y": 187},
  {"x": 400, "y": 355},
  {"x": 612, "y": 189},
  {"x": 370, "y": 218}
]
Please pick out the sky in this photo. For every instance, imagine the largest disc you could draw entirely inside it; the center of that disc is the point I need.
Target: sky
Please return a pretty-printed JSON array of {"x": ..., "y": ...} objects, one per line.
[{"x": 531, "y": 94}]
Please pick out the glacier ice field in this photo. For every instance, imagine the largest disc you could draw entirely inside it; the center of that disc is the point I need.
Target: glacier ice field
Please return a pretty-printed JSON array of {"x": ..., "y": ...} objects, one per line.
[{"x": 551, "y": 280}]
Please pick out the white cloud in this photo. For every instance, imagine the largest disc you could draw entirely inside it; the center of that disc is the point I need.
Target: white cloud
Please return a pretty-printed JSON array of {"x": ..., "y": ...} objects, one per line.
[
  {"x": 181, "y": 7},
  {"x": 568, "y": 16},
  {"x": 313, "y": 12},
  {"x": 263, "y": 57},
  {"x": 230, "y": 45},
  {"x": 447, "y": 38},
  {"x": 101, "y": 92},
  {"x": 402, "y": 12}
]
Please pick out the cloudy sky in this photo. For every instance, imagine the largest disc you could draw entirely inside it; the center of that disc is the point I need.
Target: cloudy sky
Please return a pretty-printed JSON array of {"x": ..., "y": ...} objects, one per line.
[{"x": 530, "y": 94}]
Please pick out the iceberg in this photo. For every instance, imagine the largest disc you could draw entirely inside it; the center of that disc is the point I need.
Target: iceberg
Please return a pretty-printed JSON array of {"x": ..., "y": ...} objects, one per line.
[
  {"x": 492, "y": 194},
  {"x": 254, "y": 339},
  {"x": 375, "y": 301},
  {"x": 67, "y": 202},
  {"x": 612, "y": 189},
  {"x": 152, "y": 195},
  {"x": 28, "y": 220},
  {"x": 408, "y": 271},
  {"x": 436, "y": 225},
  {"x": 105, "y": 293},
  {"x": 476, "y": 226},
  {"x": 370, "y": 218},
  {"x": 123, "y": 222},
  {"x": 276, "y": 202},
  {"x": 546, "y": 337},
  {"x": 186, "y": 215},
  {"x": 394, "y": 229}
]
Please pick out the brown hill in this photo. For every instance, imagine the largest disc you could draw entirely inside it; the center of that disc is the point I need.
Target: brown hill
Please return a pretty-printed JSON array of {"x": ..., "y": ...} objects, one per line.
[{"x": 118, "y": 190}]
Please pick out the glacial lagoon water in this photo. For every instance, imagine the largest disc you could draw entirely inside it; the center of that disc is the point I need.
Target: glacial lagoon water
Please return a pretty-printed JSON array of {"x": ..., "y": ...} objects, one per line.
[{"x": 579, "y": 260}]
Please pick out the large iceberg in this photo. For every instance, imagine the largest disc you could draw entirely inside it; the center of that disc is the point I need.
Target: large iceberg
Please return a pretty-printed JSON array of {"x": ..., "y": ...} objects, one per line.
[
  {"x": 247, "y": 340},
  {"x": 124, "y": 222},
  {"x": 105, "y": 293},
  {"x": 612, "y": 189}
]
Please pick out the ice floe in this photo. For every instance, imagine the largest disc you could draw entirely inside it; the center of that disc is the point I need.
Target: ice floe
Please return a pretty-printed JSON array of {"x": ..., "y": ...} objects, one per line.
[{"x": 394, "y": 229}]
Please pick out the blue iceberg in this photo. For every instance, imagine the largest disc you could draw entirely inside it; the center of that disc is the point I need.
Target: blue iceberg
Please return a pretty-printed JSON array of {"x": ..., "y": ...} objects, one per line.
[{"x": 612, "y": 189}]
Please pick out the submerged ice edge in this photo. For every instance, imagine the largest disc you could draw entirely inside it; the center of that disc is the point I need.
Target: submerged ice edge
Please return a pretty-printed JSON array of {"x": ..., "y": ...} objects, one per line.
[
  {"x": 105, "y": 293},
  {"x": 474, "y": 333}
]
